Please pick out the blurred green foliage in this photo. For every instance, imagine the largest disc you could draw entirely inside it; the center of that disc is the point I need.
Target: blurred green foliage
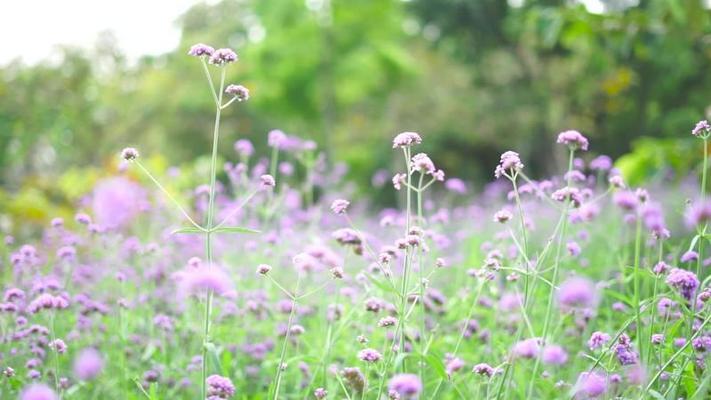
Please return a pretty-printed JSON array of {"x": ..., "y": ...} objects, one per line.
[{"x": 474, "y": 77}]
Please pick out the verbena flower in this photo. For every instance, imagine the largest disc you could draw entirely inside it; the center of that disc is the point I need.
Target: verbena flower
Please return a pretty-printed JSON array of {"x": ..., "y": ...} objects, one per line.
[
  {"x": 597, "y": 340},
  {"x": 577, "y": 292},
  {"x": 573, "y": 139},
  {"x": 88, "y": 364},
  {"x": 38, "y": 391},
  {"x": 221, "y": 57},
  {"x": 219, "y": 387},
  {"x": 201, "y": 50},
  {"x": 509, "y": 163},
  {"x": 240, "y": 92},
  {"x": 484, "y": 370},
  {"x": 339, "y": 206},
  {"x": 129, "y": 154},
  {"x": 702, "y": 129},
  {"x": 590, "y": 385},
  {"x": 554, "y": 355},
  {"x": 406, "y": 139},
  {"x": 683, "y": 281},
  {"x": 407, "y": 386},
  {"x": 369, "y": 355}
]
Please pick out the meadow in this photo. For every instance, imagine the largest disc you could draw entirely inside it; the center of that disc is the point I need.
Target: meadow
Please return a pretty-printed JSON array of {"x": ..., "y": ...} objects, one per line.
[{"x": 270, "y": 282}]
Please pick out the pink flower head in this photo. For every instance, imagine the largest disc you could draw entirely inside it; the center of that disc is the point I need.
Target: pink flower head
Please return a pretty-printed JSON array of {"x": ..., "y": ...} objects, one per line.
[
  {"x": 698, "y": 214},
  {"x": 573, "y": 139},
  {"x": 554, "y": 355},
  {"x": 340, "y": 206},
  {"x": 201, "y": 50},
  {"x": 267, "y": 181},
  {"x": 244, "y": 147},
  {"x": 590, "y": 385},
  {"x": 240, "y": 92},
  {"x": 684, "y": 281},
  {"x": 406, "y": 139},
  {"x": 407, "y": 386},
  {"x": 198, "y": 280},
  {"x": 577, "y": 292},
  {"x": 38, "y": 391},
  {"x": 221, "y": 57},
  {"x": 219, "y": 387},
  {"x": 509, "y": 162},
  {"x": 527, "y": 348},
  {"x": 88, "y": 364},
  {"x": 421, "y": 162},
  {"x": 701, "y": 129}
]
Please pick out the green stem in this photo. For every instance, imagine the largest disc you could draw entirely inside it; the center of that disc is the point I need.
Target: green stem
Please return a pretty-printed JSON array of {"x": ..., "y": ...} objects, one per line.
[
  {"x": 208, "y": 233},
  {"x": 556, "y": 264},
  {"x": 286, "y": 339},
  {"x": 635, "y": 279}
]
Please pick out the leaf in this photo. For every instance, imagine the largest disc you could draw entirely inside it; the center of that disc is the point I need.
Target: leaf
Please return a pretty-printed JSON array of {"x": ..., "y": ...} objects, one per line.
[
  {"x": 236, "y": 229},
  {"x": 437, "y": 365},
  {"x": 381, "y": 285},
  {"x": 693, "y": 242},
  {"x": 189, "y": 229},
  {"x": 213, "y": 357},
  {"x": 656, "y": 394},
  {"x": 148, "y": 353}
]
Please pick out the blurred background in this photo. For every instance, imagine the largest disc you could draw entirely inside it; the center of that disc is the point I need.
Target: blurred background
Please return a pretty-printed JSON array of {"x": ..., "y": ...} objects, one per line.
[{"x": 80, "y": 80}]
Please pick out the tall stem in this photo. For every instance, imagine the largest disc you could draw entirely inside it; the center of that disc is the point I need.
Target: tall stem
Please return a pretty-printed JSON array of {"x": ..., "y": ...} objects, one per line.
[
  {"x": 208, "y": 232},
  {"x": 635, "y": 279},
  {"x": 554, "y": 280},
  {"x": 524, "y": 244}
]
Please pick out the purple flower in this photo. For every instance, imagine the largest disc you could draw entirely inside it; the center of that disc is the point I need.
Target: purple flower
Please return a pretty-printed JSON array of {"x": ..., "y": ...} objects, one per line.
[
  {"x": 527, "y": 348},
  {"x": 421, "y": 162},
  {"x": 554, "y": 354},
  {"x": 277, "y": 139},
  {"x": 222, "y": 57},
  {"x": 267, "y": 181},
  {"x": 698, "y": 214},
  {"x": 573, "y": 139},
  {"x": 117, "y": 201},
  {"x": 601, "y": 163},
  {"x": 573, "y": 248},
  {"x": 577, "y": 292},
  {"x": 503, "y": 216},
  {"x": 701, "y": 129},
  {"x": 456, "y": 185},
  {"x": 129, "y": 154},
  {"x": 598, "y": 339},
  {"x": 626, "y": 200},
  {"x": 200, "y": 50},
  {"x": 408, "y": 386},
  {"x": 684, "y": 281},
  {"x": 509, "y": 163},
  {"x": 657, "y": 338},
  {"x": 320, "y": 393},
  {"x": 240, "y": 92},
  {"x": 689, "y": 256},
  {"x": 88, "y": 364},
  {"x": 590, "y": 385},
  {"x": 339, "y": 206},
  {"x": 369, "y": 355},
  {"x": 219, "y": 387},
  {"x": 484, "y": 370},
  {"x": 38, "y": 391},
  {"x": 244, "y": 147},
  {"x": 195, "y": 281},
  {"x": 406, "y": 139}
]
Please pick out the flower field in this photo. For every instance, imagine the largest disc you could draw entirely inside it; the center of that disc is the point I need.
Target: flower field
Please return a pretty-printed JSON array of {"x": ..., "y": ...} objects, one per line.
[{"x": 270, "y": 281}]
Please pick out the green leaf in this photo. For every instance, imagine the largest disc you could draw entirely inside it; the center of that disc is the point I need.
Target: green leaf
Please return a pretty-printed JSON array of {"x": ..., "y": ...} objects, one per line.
[
  {"x": 148, "y": 353},
  {"x": 656, "y": 394},
  {"x": 212, "y": 355},
  {"x": 236, "y": 229},
  {"x": 382, "y": 285},
  {"x": 437, "y": 365},
  {"x": 693, "y": 242},
  {"x": 189, "y": 229}
]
